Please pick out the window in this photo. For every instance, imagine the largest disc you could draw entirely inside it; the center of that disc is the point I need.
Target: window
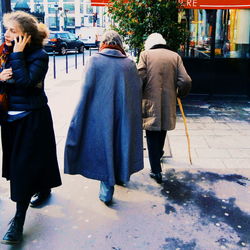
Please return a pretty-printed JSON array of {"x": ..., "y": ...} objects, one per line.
[
  {"x": 70, "y": 8},
  {"x": 81, "y": 8},
  {"x": 52, "y": 21},
  {"x": 72, "y": 36},
  {"x": 51, "y": 8},
  {"x": 89, "y": 9},
  {"x": 82, "y": 21},
  {"x": 232, "y": 38},
  {"x": 52, "y": 36},
  {"x": 70, "y": 21},
  {"x": 63, "y": 35},
  {"x": 232, "y": 33}
]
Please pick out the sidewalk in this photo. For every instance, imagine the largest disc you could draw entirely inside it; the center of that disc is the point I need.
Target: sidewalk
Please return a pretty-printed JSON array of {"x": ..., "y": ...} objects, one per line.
[{"x": 202, "y": 206}]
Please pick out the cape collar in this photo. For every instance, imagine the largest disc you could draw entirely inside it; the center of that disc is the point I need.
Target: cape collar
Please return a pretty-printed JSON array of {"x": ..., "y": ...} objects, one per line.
[{"x": 112, "y": 52}]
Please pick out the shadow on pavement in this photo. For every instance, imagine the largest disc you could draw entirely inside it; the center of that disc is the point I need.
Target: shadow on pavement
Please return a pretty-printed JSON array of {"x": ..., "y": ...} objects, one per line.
[{"x": 197, "y": 193}]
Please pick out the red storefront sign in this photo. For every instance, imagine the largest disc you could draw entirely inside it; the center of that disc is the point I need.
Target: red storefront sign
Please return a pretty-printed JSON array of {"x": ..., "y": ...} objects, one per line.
[
  {"x": 216, "y": 4},
  {"x": 199, "y": 4},
  {"x": 99, "y": 2}
]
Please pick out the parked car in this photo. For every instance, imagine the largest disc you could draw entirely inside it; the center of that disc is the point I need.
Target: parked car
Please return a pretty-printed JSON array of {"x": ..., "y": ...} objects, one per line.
[
  {"x": 90, "y": 36},
  {"x": 63, "y": 41},
  {"x": 90, "y": 41}
]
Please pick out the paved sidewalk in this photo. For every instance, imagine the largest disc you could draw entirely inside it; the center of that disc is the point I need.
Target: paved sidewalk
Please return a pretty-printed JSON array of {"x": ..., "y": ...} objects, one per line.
[{"x": 202, "y": 207}]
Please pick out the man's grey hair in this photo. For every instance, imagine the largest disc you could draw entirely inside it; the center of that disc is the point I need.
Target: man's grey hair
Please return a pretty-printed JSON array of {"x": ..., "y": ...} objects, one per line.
[{"x": 111, "y": 37}]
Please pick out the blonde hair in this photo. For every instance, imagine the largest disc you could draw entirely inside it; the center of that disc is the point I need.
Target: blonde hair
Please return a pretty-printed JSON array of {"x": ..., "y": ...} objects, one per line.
[{"x": 28, "y": 24}]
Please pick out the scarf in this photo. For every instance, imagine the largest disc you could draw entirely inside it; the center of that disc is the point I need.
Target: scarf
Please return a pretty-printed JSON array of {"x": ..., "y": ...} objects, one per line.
[
  {"x": 5, "y": 50},
  {"x": 110, "y": 46},
  {"x": 159, "y": 46}
]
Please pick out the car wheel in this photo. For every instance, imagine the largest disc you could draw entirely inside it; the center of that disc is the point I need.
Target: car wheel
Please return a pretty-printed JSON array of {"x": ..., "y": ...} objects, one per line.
[
  {"x": 63, "y": 50},
  {"x": 81, "y": 49}
]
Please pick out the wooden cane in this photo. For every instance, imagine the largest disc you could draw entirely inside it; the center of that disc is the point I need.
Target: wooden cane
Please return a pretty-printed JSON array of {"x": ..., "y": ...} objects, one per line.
[{"x": 186, "y": 129}]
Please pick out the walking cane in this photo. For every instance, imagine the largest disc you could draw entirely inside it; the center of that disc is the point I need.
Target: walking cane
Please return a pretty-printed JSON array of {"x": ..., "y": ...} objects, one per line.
[{"x": 186, "y": 129}]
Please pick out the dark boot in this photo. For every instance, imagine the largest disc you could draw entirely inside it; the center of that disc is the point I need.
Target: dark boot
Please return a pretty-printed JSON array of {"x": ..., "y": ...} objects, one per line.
[
  {"x": 39, "y": 198},
  {"x": 15, "y": 232},
  {"x": 157, "y": 177}
]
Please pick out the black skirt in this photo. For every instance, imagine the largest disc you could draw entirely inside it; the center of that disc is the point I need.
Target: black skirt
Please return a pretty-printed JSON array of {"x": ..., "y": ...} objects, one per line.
[{"x": 29, "y": 154}]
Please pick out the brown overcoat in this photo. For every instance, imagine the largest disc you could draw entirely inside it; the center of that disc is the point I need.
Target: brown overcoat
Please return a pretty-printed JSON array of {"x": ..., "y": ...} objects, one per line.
[{"x": 162, "y": 71}]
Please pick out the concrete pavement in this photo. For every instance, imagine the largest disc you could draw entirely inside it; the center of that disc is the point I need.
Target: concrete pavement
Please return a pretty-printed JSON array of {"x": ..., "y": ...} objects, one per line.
[{"x": 204, "y": 206}]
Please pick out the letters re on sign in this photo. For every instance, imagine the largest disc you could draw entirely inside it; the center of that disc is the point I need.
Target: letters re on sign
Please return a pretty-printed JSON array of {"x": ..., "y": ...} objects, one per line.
[
  {"x": 216, "y": 4},
  {"x": 198, "y": 4}
]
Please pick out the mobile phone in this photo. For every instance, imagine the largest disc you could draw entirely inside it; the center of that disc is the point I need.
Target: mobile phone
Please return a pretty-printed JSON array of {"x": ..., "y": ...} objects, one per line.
[{"x": 13, "y": 42}]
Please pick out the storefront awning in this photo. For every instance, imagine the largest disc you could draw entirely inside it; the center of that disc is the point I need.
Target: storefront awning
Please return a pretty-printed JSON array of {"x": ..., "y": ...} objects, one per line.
[
  {"x": 102, "y": 2},
  {"x": 199, "y": 4}
]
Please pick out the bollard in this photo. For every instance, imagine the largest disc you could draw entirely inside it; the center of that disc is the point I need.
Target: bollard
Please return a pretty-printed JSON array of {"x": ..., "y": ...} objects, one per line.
[
  {"x": 89, "y": 51},
  {"x": 83, "y": 56},
  {"x": 75, "y": 57},
  {"x": 54, "y": 64},
  {"x": 67, "y": 63}
]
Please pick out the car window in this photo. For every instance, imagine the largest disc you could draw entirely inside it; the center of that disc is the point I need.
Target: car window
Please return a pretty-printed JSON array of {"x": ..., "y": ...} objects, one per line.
[
  {"x": 51, "y": 36},
  {"x": 63, "y": 35},
  {"x": 72, "y": 36}
]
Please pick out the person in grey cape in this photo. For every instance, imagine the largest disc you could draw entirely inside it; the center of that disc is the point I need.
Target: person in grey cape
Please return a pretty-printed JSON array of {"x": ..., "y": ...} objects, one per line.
[
  {"x": 104, "y": 140},
  {"x": 163, "y": 75}
]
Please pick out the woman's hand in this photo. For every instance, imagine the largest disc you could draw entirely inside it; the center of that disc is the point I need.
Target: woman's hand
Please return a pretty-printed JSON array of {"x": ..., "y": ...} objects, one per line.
[
  {"x": 21, "y": 42},
  {"x": 5, "y": 75}
]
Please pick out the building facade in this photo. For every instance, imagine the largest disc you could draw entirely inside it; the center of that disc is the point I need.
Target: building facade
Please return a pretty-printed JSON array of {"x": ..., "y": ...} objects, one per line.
[{"x": 68, "y": 15}]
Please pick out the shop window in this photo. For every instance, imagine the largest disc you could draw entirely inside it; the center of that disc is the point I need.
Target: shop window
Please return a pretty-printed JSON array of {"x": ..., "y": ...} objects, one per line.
[
  {"x": 232, "y": 33},
  {"x": 200, "y": 29},
  {"x": 232, "y": 38}
]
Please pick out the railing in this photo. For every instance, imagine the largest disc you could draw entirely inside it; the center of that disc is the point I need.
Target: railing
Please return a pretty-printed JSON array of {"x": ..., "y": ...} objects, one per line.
[{"x": 77, "y": 60}]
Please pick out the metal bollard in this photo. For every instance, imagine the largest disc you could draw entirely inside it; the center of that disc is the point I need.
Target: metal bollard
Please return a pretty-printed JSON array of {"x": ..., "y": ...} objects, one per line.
[
  {"x": 75, "y": 57},
  {"x": 67, "y": 63},
  {"x": 54, "y": 64},
  {"x": 83, "y": 56}
]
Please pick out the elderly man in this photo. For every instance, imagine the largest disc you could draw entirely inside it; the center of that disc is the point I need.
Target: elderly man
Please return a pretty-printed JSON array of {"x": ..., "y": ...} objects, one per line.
[
  {"x": 163, "y": 75},
  {"x": 104, "y": 140}
]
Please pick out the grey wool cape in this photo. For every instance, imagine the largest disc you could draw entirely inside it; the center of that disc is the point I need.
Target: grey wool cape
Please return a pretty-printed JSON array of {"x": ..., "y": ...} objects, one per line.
[{"x": 104, "y": 140}]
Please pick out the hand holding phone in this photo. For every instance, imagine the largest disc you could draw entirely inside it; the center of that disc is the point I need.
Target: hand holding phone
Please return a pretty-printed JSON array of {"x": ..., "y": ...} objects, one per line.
[{"x": 20, "y": 42}]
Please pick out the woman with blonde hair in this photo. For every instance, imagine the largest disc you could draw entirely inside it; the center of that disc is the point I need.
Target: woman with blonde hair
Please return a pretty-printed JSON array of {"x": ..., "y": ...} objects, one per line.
[{"x": 28, "y": 141}]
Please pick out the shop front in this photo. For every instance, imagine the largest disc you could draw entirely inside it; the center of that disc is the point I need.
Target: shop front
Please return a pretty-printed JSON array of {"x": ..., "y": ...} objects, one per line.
[{"x": 217, "y": 53}]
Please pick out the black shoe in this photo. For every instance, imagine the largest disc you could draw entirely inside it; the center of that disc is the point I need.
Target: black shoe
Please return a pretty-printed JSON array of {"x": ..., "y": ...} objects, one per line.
[
  {"x": 157, "y": 177},
  {"x": 14, "y": 234},
  {"x": 39, "y": 198},
  {"x": 120, "y": 183}
]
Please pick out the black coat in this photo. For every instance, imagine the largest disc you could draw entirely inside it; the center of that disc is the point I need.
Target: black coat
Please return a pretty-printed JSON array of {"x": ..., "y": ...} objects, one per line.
[
  {"x": 26, "y": 89},
  {"x": 28, "y": 144}
]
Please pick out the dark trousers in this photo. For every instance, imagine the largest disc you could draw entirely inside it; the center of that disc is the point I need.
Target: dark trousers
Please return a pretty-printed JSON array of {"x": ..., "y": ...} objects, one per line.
[{"x": 155, "y": 141}]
